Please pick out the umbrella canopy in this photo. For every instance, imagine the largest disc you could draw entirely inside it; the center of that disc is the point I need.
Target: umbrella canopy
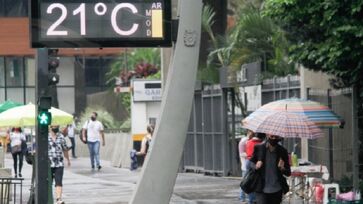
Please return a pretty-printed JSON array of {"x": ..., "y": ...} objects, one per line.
[
  {"x": 8, "y": 104},
  {"x": 318, "y": 113},
  {"x": 283, "y": 124},
  {"x": 25, "y": 116}
]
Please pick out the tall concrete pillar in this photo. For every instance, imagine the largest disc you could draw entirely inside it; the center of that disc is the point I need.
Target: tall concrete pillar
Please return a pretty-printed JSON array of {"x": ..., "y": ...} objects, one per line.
[{"x": 161, "y": 166}]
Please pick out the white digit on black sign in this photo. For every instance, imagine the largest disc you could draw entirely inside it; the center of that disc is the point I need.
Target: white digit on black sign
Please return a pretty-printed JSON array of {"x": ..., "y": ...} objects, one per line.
[
  {"x": 51, "y": 30},
  {"x": 82, "y": 13},
  {"x": 114, "y": 17}
]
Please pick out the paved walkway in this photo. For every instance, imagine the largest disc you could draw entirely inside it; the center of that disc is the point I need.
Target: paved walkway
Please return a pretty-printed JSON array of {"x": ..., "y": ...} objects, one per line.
[{"x": 113, "y": 185}]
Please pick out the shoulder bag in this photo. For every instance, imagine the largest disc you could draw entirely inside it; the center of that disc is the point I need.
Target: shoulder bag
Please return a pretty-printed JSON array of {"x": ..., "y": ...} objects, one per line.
[
  {"x": 85, "y": 133},
  {"x": 250, "y": 181}
]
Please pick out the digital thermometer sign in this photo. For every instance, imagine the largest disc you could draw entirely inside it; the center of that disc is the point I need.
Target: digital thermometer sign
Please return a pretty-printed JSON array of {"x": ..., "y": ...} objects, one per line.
[{"x": 112, "y": 23}]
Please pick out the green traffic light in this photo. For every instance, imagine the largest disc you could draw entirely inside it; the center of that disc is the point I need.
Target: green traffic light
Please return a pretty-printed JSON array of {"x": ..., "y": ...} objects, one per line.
[{"x": 44, "y": 118}]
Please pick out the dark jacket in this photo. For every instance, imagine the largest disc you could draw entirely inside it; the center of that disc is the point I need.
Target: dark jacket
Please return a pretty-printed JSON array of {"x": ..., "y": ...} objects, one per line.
[{"x": 259, "y": 154}]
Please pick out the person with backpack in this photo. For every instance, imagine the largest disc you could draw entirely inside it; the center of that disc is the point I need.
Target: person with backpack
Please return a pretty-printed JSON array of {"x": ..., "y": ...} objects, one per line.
[{"x": 92, "y": 132}]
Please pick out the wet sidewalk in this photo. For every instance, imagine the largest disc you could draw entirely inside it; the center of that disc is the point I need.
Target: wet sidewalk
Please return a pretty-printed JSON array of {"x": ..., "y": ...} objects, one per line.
[{"x": 113, "y": 185}]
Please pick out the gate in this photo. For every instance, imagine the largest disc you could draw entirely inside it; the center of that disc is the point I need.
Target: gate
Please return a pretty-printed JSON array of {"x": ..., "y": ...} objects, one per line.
[{"x": 207, "y": 147}]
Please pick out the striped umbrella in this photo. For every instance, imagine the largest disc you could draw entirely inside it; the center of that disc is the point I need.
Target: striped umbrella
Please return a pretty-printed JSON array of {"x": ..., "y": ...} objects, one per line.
[
  {"x": 318, "y": 113},
  {"x": 283, "y": 124}
]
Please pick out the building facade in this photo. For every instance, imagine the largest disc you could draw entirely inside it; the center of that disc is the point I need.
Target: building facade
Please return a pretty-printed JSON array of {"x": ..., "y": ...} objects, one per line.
[{"x": 82, "y": 70}]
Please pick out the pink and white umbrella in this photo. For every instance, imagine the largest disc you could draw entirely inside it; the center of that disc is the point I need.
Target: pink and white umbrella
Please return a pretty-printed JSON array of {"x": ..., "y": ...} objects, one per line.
[{"x": 284, "y": 124}]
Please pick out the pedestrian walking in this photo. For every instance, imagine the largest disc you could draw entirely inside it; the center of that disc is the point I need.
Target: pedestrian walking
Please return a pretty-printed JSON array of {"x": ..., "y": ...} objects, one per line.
[
  {"x": 271, "y": 162},
  {"x": 57, "y": 151},
  {"x": 256, "y": 138},
  {"x": 17, "y": 142},
  {"x": 92, "y": 132},
  {"x": 243, "y": 157},
  {"x": 71, "y": 132}
]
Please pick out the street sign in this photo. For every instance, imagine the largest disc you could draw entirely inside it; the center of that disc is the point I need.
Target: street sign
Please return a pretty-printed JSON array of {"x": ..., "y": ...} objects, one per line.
[
  {"x": 146, "y": 90},
  {"x": 102, "y": 23}
]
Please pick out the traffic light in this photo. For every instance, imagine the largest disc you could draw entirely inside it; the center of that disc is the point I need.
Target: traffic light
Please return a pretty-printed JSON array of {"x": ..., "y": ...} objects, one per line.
[
  {"x": 44, "y": 118},
  {"x": 53, "y": 78},
  {"x": 53, "y": 63}
]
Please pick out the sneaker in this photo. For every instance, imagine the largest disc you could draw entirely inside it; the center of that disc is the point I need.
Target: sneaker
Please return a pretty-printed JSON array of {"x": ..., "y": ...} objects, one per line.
[
  {"x": 20, "y": 175},
  {"x": 99, "y": 167}
]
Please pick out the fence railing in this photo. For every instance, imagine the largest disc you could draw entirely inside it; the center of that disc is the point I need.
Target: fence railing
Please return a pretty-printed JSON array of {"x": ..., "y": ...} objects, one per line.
[{"x": 11, "y": 190}]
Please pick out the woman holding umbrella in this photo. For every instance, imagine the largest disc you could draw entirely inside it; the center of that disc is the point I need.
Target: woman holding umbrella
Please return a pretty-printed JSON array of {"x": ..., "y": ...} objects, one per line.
[{"x": 271, "y": 162}]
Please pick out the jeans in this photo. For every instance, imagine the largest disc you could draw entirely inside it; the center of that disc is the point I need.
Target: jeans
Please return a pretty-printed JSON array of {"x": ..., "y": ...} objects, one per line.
[
  {"x": 94, "y": 152},
  {"x": 73, "y": 146},
  {"x": 242, "y": 195},
  {"x": 15, "y": 158}
]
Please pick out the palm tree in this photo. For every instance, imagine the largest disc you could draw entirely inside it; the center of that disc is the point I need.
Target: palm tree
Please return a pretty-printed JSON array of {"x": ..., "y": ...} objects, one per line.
[{"x": 253, "y": 38}]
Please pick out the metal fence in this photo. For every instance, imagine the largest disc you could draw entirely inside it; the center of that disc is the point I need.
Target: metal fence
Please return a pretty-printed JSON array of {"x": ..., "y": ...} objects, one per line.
[
  {"x": 11, "y": 190},
  {"x": 334, "y": 149},
  {"x": 207, "y": 147}
]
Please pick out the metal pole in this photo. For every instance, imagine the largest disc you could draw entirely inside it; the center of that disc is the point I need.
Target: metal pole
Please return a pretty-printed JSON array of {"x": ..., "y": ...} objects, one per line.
[
  {"x": 161, "y": 166},
  {"x": 225, "y": 144},
  {"x": 331, "y": 145},
  {"x": 233, "y": 134},
  {"x": 41, "y": 155},
  {"x": 355, "y": 139}
]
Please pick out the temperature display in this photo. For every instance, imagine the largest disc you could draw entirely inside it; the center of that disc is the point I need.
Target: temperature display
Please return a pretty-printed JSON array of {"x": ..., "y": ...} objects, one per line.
[{"x": 120, "y": 23}]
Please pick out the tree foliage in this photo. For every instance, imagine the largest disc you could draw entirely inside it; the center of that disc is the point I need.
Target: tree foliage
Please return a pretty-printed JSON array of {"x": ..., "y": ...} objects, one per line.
[
  {"x": 139, "y": 63},
  {"x": 324, "y": 35},
  {"x": 253, "y": 38},
  {"x": 103, "y": 116}
]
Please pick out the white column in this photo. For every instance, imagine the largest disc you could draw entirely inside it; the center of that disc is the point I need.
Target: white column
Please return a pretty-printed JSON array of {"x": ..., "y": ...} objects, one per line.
[{"x": 161, "y": 166}]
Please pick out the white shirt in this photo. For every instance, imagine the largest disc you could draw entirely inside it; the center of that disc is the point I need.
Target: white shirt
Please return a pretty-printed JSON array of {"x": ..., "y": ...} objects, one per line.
[
  {"x": 16, "y": 138},
  {"x": 93, "y": 130},
  {"x": 242, "y": 152},
  {"x": 71, "y": 130}
]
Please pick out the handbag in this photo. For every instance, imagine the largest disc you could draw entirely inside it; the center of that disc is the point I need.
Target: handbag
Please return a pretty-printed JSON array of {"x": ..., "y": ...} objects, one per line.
[
  {"x": 85, "y": 133},
  {"x": 16, "y": 149},
  {"x": 81, "y": 137},
  {"x": 250, "y": 181}
]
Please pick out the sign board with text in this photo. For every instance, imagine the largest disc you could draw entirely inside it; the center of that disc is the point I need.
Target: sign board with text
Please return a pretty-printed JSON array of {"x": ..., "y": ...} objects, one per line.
[
  {"x": 146, "y": 90},
  {"x": 101, "y": 23}
]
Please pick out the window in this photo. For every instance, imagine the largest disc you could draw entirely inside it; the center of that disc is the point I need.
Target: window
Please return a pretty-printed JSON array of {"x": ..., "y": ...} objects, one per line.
[
  {"x": 14, "y": 8},
  {"x": 92, "y": 72},
  {"x": 96, "y": 69},
  {"x": 242, "y": 74},
  {"x": 30, "y": 71},
  {"x": 2, "y": 72},
  {"x": 14, "y": 72}
]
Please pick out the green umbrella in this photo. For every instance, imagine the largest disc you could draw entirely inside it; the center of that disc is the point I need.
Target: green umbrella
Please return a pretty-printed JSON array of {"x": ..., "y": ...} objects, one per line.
[
  {"x": 8, "y": 104},
  {"x": 25, "y": 116}
]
